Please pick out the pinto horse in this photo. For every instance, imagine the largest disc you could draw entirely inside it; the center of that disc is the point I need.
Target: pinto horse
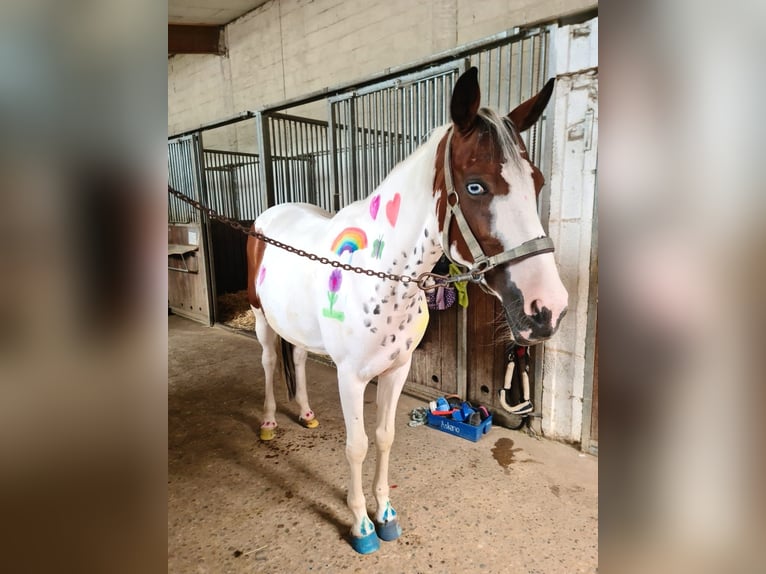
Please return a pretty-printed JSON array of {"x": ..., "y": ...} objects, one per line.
[{"x": 469, "y": 192}]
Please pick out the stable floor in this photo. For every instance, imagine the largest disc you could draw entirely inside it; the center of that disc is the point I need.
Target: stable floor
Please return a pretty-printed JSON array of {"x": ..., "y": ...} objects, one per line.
[{"x": 509, "y": 503}]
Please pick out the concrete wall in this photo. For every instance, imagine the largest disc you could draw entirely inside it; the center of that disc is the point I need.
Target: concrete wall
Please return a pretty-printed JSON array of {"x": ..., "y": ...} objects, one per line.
[
  {"x": 287, "y": 48},
  {"x": 572, "y": 199}
]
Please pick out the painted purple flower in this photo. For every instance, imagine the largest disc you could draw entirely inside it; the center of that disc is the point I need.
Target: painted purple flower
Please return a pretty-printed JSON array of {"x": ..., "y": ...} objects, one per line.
[{"x": 335, "y": 280}]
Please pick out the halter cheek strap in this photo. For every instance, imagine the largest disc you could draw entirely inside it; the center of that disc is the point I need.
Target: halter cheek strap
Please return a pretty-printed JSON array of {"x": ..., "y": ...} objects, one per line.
[{"x": 481, "y": 262}]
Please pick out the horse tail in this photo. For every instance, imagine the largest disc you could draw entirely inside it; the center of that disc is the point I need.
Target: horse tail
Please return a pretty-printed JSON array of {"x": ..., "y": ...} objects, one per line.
[{"x": 288, "y": 365}]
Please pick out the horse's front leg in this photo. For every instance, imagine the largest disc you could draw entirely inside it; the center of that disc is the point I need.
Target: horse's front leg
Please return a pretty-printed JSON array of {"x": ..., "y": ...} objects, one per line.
[
  {"x": 389, "y": 389},
  {"x": 363, "y": 537}
]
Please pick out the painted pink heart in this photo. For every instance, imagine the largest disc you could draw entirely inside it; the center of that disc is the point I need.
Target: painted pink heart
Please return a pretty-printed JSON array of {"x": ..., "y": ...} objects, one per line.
[
  {"x": 392, "y": 209},
  {"x": 374, "y": 206}
]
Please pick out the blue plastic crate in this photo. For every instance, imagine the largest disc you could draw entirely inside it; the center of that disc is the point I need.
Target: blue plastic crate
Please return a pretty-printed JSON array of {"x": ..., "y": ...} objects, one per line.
[{"x": 464, "y": 430}]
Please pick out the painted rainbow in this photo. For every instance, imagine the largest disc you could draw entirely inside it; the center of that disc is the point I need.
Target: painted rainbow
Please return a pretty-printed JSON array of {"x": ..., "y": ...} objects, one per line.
[{"x": 350, "y": 239}]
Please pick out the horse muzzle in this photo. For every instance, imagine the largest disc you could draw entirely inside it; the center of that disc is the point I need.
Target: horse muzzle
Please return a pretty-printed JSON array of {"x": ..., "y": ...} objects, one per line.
[{"x": 535, "y": 328}]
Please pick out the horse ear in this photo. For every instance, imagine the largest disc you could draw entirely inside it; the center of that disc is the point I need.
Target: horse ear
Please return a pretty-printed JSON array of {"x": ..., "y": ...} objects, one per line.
[
  {"x": 466, "y": 98},
  {"x": 525, "y": 115}
]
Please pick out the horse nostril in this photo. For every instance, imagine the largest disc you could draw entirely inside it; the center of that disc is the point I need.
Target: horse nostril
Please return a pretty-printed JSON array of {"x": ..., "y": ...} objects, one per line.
[{"x": 541, "y": 315}]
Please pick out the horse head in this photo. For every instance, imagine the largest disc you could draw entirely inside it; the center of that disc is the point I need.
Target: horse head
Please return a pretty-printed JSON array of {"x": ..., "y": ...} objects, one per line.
[{"x": 487, "y": 189}]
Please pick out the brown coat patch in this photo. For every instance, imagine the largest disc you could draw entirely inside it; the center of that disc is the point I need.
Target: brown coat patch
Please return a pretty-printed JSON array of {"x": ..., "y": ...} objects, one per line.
[{"x": 255, "y": 250}]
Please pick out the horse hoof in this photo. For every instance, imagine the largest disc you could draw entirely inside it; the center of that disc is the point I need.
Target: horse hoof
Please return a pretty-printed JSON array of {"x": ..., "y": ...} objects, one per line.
[
  {"x": 268, "y": 433},
  {"x": 365, "y": 544},
  {"x": 389, "y": 530},
  {"x": 312, "y": 424}
]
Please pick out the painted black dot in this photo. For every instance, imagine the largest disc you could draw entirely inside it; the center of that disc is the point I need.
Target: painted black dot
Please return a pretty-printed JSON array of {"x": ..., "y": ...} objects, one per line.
[
  {"x": 376, "y": 287},
  {"x": 409, "y": 343},
  {"x": 404, "y": 254},
  {"x": 415, "y": 250},
  {"x": 395, "y": 354},
  {"x": 420, "y": 262},
  {"x": 365, "y": 308},
  {"x": 406, "y": 267},
  {"x": 409, "y": 318},
  {"x": 384, "y": 342},
  {"x": 401, "y": 326},
  {"x": 374, "y": 330},
  {"x": 394, "y": 261},
  {"x": 396, "y": 306},
  {"x": 367, "y": 322},
  {"x": 384, "y": 300},
  {"x": 376, "y": 310},
  {"x": 393, "y": 338},
  {"x": 388, "y": 320},
  {"x": 420, "y": 310},
  {"x": 425, "y": 232}
]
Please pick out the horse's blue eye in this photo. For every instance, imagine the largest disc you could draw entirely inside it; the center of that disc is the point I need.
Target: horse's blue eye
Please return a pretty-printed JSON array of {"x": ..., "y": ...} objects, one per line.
[{"x": 475, "y": 188}]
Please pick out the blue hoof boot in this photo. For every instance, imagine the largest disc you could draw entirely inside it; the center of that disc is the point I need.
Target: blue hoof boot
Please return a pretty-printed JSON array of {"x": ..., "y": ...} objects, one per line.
[
  {"x": 365, "y": 544},
  {"x": 390, "y": 530}
]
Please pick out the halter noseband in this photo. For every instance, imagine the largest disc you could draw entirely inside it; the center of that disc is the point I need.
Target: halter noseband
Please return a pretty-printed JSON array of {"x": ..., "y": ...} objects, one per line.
[{"x": 481, "y": 262}]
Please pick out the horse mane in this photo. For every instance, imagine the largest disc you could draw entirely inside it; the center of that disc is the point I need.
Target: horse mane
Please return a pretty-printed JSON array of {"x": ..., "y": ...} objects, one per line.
[{"x": 503, "y": 131}]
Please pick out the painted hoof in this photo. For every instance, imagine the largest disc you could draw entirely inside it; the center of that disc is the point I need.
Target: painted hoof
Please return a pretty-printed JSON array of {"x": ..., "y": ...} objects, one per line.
[
  {"x": 390, "y": 530},
  {"x": 365, "y": 544},
  {"x": 312, "y": 424},
  {"x": 268, "y": 431},
  {"x": 309, "y": 421},
  {"x": 268, "y": 434}
]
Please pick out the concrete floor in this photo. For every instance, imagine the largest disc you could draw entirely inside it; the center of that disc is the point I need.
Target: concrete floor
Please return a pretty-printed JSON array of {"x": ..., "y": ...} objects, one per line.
[{"x": 509, "y": 503}]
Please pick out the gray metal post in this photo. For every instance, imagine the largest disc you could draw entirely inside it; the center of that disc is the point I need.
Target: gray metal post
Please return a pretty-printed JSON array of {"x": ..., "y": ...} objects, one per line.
[
  {"x": 205, "y": 226},
  {"x": 266, "y": 171}
]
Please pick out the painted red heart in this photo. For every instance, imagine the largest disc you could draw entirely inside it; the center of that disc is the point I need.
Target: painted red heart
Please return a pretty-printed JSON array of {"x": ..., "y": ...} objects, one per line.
[
  {"x": 392, "y": 209},
  {"x": 374, "y": 206}
]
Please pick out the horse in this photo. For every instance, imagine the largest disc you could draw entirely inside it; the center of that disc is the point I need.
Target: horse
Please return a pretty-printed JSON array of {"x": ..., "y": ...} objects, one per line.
[{"x": 469, "y": 192}]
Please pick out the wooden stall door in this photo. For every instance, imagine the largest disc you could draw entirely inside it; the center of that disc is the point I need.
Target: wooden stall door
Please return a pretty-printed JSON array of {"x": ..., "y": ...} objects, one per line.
[
  {"x": 434, "y": 362},
  {"x": 188, "y": 293}
]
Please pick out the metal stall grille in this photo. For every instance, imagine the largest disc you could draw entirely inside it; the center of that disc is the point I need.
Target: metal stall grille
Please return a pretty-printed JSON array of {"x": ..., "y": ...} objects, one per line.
[
  {"x": 182, "y": 175},
  {"x": 376, "y": 127},
  {"x": 233, "y": 185},
  {"x": 300, "y": 160},
  {"x": 513, "y": 72}
]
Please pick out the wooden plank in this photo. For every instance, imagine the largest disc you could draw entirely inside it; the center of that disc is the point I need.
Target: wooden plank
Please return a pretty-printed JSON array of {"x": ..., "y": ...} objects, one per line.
[
  {"x": 187, "y": 292},
  {"x": 194, "y": 39},
  {"x": 481, "y": 341}
]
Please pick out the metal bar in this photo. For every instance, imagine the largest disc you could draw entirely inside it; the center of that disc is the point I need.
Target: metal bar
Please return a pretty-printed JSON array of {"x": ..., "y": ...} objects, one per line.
[
  {"x": 334, "y": 158},
  {"x": 352, "y": 148},
  {"x": 498, "y": 75},
  {"x": 207, "y": 239},
  {"x": 266, "y": 174}
]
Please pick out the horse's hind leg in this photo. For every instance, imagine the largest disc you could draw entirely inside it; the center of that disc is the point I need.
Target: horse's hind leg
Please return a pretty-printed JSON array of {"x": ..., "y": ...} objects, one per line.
[
  {"x": 267, "y": 337},
  {"x": 301, "y": 396},
  {"x": 389, "y": 389}
]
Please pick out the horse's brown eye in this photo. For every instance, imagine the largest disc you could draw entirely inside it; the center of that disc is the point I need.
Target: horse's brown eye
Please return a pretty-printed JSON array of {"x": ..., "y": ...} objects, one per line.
[{"x": 475, "y": 188}]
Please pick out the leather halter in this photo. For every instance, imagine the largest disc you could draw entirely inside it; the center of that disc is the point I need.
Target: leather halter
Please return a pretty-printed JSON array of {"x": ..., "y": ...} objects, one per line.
[{"x": 481, "y": 262}]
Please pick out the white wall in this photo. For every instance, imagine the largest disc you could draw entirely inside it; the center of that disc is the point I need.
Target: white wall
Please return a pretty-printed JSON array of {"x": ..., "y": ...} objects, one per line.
[
  {"x": 287, "y": 48},
  {"x": 572, "y": 187}
]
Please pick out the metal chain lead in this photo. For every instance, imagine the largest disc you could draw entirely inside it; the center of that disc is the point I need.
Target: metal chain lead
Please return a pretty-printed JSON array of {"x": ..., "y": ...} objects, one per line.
[{"x": 422, "y": 281}]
